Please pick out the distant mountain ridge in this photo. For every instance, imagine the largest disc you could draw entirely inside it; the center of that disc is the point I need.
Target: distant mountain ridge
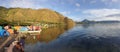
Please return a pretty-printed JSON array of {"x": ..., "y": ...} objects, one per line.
[
  {"x": 108, "y": 21},
  {"x": 104, "y": 21}
]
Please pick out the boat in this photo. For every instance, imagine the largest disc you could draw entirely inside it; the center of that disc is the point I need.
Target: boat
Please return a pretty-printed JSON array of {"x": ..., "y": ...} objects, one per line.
[{"x": 30, "y": 31}]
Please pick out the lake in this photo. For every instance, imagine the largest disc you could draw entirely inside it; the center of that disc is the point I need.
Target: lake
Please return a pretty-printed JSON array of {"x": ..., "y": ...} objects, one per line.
[{"x": 80, "y": 38}]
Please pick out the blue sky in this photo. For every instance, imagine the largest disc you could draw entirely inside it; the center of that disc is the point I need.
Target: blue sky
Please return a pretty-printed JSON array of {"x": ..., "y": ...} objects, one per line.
[{"x": 75, "y": 9}]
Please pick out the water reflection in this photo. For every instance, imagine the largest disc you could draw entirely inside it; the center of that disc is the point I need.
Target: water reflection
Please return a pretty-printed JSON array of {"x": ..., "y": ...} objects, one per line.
[
  {"x": 91, "y": 38},
  {"x": 47, "y": 35}
]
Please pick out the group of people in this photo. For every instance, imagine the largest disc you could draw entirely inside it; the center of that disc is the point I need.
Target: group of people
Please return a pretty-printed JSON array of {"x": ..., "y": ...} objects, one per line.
[
  {"x": 6, "y": 31},
  {"x": 16, "y": 45},
  {"x": 11, "y": 30}
]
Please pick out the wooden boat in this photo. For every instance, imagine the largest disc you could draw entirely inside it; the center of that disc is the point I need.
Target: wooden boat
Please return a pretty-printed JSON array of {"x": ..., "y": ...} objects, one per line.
[{"x": 30, "y": 31}]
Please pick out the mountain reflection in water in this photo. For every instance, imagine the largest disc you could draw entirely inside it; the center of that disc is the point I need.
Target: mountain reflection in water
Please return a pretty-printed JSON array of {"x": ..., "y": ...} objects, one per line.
[
  {"x": 81, "y": 38},
  {"x": 47, "y": 35}
]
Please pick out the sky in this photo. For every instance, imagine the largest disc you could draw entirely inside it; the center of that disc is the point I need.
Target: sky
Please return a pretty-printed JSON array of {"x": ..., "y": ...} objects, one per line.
[{"x": 77, "y": 10}]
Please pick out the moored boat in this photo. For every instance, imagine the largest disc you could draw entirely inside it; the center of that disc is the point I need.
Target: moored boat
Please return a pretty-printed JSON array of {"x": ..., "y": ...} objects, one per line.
[{"x": 30, "y": 31}]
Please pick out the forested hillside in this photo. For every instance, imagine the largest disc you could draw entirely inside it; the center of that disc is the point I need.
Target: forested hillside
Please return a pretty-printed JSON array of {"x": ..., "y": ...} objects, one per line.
[{"x": 18, "y": 16}]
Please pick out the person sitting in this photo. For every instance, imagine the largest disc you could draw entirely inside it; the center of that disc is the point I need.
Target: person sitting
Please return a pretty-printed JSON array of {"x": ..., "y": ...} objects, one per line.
[{"x": 18, "y": 48}]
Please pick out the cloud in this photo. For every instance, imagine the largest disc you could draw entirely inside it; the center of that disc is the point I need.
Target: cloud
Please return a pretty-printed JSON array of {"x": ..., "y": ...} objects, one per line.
[
  {"x": 27, "y": 3},
  {"x": 114, "y": 15},
  {"x": 104, "y": 14},
  {"x": 21, "y": 3},
  {"x": 104, "y": 18},
  {"x": 65, "y": 12},
  {"x": 75, "y": 18},
  {"x": 77, "y": 4}
]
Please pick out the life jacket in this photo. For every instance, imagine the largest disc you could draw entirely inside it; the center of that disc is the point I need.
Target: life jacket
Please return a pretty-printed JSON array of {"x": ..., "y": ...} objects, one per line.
[{"x": 10, "y": 31}]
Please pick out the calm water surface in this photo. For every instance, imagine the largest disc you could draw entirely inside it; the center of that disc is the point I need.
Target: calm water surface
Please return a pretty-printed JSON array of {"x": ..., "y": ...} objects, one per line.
[{"x": 81, "y": 38}]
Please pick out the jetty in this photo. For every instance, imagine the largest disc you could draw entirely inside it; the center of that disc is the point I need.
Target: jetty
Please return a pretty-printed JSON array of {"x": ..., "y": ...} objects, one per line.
[{"x": 6, "y": 41}]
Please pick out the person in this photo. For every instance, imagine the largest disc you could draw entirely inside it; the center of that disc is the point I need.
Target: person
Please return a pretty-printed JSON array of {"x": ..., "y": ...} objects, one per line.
[
  {"x": 10, "y": 48},
  {"x": 37, "y": 28},
  {"x": 22, "y": 41},
  {"x": 10, "y": 30},
  {"x": 32, "y": 28},
  {"x": 15, "y": 32},
  {"x": 18, "y": 48},
  {"x": 17, "y": 28},
  {"x": 3, "y": 32},
  {"x": 6, "y": 27}
]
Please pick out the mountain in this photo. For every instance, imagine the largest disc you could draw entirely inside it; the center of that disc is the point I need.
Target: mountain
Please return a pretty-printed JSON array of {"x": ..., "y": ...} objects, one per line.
[
  {"x": 33, "y": 16},
  {"x": 86, "y": 21},
  {"x": 108, "y": 21}
]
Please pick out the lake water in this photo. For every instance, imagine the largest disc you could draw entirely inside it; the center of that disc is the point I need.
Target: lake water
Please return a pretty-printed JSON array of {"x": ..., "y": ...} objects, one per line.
[{"x": 81, "y": 38}]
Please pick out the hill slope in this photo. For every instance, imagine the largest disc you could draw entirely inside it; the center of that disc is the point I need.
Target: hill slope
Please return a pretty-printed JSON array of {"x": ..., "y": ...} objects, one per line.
[{"x": 32, "y": 16}]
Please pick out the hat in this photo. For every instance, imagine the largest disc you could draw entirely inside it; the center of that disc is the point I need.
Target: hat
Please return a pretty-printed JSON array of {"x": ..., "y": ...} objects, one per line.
[{"x": 14, "y": 43}]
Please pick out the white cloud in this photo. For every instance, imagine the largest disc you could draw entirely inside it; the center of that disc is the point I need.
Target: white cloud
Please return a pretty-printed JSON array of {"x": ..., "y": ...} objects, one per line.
[
  {"x": 77, "y": 4},
  {"x": 21, "y": 3},
  {"x": 65, "y": 12},
  {"x": 75, "y": 18},
  {"x": 26, "y": 3},
  {"x": 106, "y": 18},
  {"x": 101, "y": 14}
]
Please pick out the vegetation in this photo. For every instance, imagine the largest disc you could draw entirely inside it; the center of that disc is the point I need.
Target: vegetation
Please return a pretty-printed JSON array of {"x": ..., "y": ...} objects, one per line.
[
  {"x": 23, "y": 16},
  {"x": 3, "y": 22}
]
